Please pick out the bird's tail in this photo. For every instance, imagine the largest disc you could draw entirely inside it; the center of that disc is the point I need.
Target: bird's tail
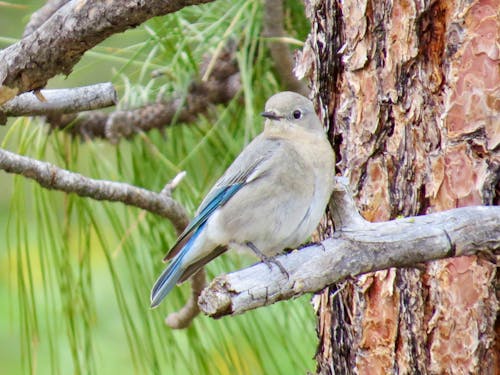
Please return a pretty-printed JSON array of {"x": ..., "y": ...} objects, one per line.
[
  {"x": 174, "y": 272},
  {"x": 167, "y": 280}
]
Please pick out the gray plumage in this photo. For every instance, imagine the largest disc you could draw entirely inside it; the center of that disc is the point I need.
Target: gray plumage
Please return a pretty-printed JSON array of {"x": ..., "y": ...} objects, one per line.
[{"x": 270, "y": 198}]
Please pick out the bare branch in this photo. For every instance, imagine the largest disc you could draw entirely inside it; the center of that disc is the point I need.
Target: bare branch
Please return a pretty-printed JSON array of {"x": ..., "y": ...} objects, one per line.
[
  {"x": 360, "y": 247},
  {"x": 183, "y": 318},
  {"x": 52, "y": 177},
  {"x": 282, "y": 57},
  {"x": 221, "y": 86},
  {"x": 59, "y": 43},
  {"x": 60, "y": 101}
]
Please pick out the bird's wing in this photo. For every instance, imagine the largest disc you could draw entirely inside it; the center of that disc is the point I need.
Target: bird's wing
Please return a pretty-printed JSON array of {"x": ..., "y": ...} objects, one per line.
[{"x": 236, "y": 176}]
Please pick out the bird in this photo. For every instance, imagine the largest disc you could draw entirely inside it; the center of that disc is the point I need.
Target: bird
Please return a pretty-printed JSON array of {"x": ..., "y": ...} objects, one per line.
[{"x": 271, "y": 198}]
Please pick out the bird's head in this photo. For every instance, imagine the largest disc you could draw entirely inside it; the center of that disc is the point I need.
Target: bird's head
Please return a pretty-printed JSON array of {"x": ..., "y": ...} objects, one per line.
[{"x": 290, "y": 108}]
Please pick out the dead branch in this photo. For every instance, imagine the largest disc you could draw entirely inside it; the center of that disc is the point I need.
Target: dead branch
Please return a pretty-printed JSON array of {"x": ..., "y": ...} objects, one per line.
[
  {"x": 358, "y": 247},
  {"x": 221, "y": 86},
  {"x": 59, "y": 42},
  {"x": 59, "y": 101},
  {"x": 52, "y": 177}
]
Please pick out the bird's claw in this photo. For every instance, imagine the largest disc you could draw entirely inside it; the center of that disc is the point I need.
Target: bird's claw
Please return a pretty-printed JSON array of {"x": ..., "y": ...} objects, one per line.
[{"x": 267, "y": 261}]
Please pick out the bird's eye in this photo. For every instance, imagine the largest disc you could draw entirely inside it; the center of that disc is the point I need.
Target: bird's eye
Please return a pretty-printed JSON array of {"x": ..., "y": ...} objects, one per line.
[{"x": 297, "y": 114}]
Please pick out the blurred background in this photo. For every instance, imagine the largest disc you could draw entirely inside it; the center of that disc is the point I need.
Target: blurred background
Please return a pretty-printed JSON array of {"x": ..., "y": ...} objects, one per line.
[{"x": 75, "y": 274}]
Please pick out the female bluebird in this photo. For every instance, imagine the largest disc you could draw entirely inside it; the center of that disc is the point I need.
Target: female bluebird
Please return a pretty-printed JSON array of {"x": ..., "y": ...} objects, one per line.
[{"x": 271, "y": 198}]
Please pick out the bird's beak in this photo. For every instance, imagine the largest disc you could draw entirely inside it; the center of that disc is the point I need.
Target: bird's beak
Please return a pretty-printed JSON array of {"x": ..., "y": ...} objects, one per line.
[{"x": 271, "y": 115}]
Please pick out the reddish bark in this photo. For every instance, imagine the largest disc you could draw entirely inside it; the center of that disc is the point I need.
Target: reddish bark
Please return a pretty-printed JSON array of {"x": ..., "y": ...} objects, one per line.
[{"x": 413, "y": 108}]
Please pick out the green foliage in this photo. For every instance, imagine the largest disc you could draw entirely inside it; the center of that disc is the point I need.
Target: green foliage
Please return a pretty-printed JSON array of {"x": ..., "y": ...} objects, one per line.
[{"x": 77, "y": 272}]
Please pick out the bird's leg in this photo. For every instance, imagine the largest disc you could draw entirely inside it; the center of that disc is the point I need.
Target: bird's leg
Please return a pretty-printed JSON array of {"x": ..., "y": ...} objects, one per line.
[{"x": 266, "y": 260}]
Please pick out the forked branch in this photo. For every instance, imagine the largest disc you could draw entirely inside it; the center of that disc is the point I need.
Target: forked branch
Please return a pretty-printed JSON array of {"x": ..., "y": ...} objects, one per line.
[{"x": 51, "y": 177}]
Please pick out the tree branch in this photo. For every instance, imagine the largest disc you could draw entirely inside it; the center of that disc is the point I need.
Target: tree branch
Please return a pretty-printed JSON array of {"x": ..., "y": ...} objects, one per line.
[
  {"x": 359, "y": 247},
  {"x": 221, "y": 86},
  {"x": 59, "y": 101},
  {"x": 52, "y": 177},
  {"x": 59, "y": 43}
]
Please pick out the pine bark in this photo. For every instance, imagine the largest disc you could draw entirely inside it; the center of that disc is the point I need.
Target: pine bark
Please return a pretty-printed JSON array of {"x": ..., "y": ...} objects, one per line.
[{"x": 410, "y": 92}]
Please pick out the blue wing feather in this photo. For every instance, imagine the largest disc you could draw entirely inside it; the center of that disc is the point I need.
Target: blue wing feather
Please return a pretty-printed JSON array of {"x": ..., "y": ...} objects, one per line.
[
  {"x": 236, "y": 177},
  {"x": 220, "y": 197},
  {"x": 175, "y": 270}
]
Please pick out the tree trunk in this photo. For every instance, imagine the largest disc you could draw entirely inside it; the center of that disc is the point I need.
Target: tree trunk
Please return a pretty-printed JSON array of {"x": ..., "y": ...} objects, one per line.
[{"x": 410, "y": 92}]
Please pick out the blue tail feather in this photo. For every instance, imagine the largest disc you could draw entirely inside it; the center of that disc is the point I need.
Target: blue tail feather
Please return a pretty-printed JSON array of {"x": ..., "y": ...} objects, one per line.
[
  {"x": 166, "y": 281},
  {"x": 171, "y": 275}
]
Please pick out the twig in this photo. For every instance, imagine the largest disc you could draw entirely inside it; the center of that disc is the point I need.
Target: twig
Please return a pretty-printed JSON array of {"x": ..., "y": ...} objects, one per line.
[
  {"x": 282, "y": 57},
  {"x": 52, "y": 177},
  {"x": 360, "y": 247},
  {"x": 220, "y": 88},
  {"x": 59, "y": 43},
  {"x": 60, "y": 101},
  {"x": 172, "y": 185}
]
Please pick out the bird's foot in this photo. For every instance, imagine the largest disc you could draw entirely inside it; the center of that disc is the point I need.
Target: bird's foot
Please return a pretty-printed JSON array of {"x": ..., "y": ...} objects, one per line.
[{"x": 267, "y": 260}]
